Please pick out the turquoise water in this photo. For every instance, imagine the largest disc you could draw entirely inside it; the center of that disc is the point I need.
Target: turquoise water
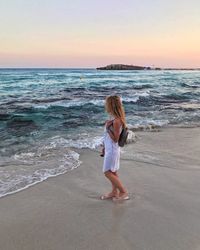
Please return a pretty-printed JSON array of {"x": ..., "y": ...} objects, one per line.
[{"x": 46, "y": 112}]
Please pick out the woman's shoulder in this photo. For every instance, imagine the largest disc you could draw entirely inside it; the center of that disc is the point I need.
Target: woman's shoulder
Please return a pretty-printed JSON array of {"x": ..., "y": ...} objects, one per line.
[{"x": 117, "y": 121}]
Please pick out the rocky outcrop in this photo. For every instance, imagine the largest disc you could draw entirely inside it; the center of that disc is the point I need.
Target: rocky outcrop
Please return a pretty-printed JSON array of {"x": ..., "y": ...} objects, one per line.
[
  {"x": 20, "y": 126},
  {"x": 134, "y": 67},
  {"x": 125, "y": 67}
]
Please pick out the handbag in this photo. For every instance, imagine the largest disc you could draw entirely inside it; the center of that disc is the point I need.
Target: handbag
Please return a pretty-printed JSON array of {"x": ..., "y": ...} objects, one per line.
[{"x": 123, "y": 137}]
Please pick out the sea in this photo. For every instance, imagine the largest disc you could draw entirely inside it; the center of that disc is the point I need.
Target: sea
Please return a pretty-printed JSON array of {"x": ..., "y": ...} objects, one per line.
[{"x": 47, "y": 114}]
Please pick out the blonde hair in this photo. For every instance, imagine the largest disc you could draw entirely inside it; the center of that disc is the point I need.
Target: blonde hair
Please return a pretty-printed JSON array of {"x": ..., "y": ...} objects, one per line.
[{"x": 114, "y": 106}]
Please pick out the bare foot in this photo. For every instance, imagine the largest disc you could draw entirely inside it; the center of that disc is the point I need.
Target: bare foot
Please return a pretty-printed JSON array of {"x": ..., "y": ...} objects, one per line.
[
  {"x": 108, "y": 196},
  {"x": 121, "y": 197}
]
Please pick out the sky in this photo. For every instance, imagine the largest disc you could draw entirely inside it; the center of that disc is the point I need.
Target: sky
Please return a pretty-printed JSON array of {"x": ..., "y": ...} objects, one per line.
[{"x": 92, "y": 33}]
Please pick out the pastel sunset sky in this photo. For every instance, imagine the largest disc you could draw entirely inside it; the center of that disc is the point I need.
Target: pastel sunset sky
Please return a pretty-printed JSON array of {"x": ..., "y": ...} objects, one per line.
[{"x": 91, "y": 33}]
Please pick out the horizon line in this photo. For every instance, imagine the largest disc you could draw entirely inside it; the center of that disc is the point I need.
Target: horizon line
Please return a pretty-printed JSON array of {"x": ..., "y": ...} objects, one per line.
[{"x": 152, "y": 68}]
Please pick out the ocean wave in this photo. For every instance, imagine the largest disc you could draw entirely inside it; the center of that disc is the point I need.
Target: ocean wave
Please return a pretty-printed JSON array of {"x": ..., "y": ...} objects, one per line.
[
  {"x": 182, "y": 95},
  {"x": 135, "y": 98},
  {"x": 28, "y": 168},
  {"x": 184, "y": 106},
  {"x": 105, "y": 87},
  {"x": 21, "y": 182},
  {"x": 82, "y": 102},
  {"x": 91, "y": 142},
  {"x": 73, "y": 103},
  {"x": 148, "y": 125},
  {"x": 194, "y": 85},
  {"x": 130, "y": 99}
]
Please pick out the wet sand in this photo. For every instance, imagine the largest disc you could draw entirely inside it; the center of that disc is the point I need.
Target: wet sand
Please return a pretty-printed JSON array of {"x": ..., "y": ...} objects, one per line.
[{"x": 161, "y": 172}]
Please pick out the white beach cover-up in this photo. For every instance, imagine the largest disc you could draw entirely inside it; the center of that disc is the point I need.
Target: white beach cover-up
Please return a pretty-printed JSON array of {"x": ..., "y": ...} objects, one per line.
[{"x": 112, "y": 153}]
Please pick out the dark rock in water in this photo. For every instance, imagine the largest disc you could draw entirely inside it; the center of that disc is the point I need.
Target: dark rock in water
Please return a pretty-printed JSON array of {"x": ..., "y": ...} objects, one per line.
[
  {"x": 71, "y": 124},
  {"x": 20, "y": 126},
  {"x": 73, "y": 89},
  {"x": 49, "y": 100},
  {"x": 4, "y": 117}
]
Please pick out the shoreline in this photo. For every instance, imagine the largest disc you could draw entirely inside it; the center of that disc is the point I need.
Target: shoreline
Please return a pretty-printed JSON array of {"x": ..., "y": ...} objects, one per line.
[
  {"x": 142, "y": 131},
  {"x": 161, "y": 173}
]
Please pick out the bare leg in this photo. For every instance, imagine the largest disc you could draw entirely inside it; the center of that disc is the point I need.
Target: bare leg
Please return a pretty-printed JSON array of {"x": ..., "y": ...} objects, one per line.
[
  {"x": 113, "y": 193},
  {"x": 116, "y": 183},
  {"x": 114, "y": 188}
]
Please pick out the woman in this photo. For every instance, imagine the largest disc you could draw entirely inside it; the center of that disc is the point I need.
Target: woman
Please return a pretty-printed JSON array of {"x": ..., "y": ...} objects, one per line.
[{"x": 111, "y": 150}]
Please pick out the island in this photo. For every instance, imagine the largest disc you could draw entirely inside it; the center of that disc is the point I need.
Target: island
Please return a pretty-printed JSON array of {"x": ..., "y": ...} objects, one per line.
[
  {"x": 124, "y": 67},
  {"x": 134, "y": 67}
]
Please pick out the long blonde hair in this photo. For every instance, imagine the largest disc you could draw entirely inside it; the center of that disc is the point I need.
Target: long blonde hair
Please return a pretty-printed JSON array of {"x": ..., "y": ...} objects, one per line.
[{"x": 114, "y": 106}]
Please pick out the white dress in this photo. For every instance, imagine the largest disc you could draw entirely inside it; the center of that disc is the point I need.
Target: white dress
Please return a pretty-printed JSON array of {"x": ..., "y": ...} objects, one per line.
[{"x": 112, "y": 153}]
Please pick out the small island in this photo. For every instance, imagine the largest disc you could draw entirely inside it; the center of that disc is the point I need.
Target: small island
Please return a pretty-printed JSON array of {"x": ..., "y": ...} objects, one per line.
[
  {"x": 134, "y": 67},
  {"x": 124, "y": 67}
]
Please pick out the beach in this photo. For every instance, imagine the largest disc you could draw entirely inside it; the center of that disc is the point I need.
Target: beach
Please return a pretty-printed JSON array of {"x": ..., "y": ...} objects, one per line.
[
  {"x": 161, "y": 172},
  {"x": 74, "y": 75}
]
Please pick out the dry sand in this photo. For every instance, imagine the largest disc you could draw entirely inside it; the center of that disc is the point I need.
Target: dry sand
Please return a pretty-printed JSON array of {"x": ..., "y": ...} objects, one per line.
[{"x": 162, "y": 174}]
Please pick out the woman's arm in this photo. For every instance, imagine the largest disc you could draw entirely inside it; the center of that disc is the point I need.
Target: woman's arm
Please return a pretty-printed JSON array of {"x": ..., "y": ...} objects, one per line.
[{"x": 116, "y": 130}]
